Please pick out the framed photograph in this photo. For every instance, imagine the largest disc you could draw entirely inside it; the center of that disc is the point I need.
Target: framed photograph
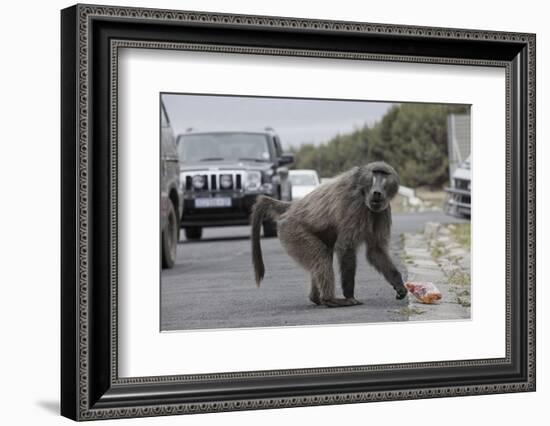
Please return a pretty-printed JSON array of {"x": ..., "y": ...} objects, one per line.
[{"x": 262, "y": 212}]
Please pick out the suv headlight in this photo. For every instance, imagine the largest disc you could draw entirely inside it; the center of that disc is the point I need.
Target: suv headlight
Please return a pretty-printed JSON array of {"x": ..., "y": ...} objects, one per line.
[
  {"x": 226, "y": 181},
  {"x": 198, "y": 181},
  {"x": 253, "y": 180}
]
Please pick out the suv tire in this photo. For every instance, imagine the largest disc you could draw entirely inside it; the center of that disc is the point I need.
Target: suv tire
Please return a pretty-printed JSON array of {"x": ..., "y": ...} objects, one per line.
[
  {"x": 193, "y": 233},
  {"x": 270, "y": 229},
  {"x": 170, "y": 237}
]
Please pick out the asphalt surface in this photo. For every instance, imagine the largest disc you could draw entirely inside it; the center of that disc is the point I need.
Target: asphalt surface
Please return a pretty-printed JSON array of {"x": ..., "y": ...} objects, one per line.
[{"x": 212, "y": 284}]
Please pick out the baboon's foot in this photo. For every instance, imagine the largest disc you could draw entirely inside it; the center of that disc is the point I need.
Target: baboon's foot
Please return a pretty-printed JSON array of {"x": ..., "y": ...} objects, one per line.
[
  {"x": 315, "y": 299},
  {"x": 401, "y": 292},
  {"x": 340, "y": 303}
]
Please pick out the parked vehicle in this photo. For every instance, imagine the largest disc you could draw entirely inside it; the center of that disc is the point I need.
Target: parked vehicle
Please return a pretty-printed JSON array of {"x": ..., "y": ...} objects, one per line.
[
  {"x": 326, "y": 180},
  {"x": 171, "y": 196},
  {"x": 222, "y": 174},
  {"x": 303, "y": 182},
  {"x": 458, "y": 202}
]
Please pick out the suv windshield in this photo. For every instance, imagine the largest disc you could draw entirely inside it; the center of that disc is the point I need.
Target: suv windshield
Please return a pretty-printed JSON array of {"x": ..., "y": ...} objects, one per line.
[{"x": 223, "y": 146}]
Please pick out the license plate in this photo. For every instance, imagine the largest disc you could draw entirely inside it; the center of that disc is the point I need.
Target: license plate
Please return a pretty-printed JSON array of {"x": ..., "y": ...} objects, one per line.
[{"x": 208, "y": 203}]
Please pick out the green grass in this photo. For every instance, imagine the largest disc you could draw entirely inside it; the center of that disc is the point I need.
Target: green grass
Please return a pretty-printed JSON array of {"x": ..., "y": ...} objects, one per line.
[
  {"x": 461, "y": 233},
  {"x": 464, "y": 301},
  {"x": 460, "y": 285},
  {"x": 459, "y": 279},
  {"x": 438, "y": 250}
]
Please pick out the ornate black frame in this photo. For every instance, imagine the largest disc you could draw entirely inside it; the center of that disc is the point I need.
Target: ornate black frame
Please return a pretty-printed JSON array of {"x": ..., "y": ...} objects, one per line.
[{"x": 90, "y": 386}]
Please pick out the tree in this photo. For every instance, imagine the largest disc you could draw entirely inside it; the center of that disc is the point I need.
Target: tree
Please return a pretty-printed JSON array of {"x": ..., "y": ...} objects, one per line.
[
  {"x": 410, "y": 137},
  {"x": 413, "y": 138}
]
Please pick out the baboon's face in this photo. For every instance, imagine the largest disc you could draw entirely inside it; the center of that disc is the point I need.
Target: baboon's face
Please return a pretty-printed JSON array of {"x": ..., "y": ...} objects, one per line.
[{"x": 382, "y": 185}]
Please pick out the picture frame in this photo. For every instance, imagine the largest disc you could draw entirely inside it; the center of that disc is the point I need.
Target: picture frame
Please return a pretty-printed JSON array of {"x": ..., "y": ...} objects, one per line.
[{"x": 90, "y": 384}]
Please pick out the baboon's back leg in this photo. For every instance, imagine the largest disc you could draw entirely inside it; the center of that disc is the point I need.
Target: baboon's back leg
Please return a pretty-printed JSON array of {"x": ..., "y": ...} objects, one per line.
[
  {"x": 322, "y": 275},
  {"x": 314, "y": 256}
]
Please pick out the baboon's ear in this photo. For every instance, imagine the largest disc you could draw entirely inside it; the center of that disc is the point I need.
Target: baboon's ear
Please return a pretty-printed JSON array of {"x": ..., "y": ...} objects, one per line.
[
  {"x": 392, "y": 184},
  {"x": 392, "y": 172}
]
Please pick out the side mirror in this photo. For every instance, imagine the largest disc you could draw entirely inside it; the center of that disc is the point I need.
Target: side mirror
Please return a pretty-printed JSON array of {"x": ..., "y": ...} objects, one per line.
[
  {"x": 283, "y": 172},
  {"x": 286, "y": 159}
]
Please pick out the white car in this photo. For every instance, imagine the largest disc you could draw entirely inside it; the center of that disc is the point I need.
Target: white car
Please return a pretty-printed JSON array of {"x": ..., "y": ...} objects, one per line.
[{"x": 303, "y": 182}]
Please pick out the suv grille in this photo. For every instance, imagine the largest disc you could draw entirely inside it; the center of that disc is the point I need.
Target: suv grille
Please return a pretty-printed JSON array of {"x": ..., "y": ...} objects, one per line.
[
  {"x": 212, "y": 180},
  {"x": 461, "y": 184}
]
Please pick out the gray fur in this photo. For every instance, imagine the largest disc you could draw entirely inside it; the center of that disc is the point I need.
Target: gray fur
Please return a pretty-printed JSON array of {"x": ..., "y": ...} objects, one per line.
[{"x": 337, "y": 217}]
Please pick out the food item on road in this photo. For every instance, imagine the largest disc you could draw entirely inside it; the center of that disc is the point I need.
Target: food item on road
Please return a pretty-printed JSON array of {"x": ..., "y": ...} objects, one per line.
[{"x": 425, "y": 292}]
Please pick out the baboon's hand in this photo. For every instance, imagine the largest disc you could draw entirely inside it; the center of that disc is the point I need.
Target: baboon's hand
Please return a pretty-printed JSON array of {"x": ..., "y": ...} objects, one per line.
[{"x": 401, "y": 292}]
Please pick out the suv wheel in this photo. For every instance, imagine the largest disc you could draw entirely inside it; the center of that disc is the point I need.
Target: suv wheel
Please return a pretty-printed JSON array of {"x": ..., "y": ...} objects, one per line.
[
  {"x": 170, "y": 236},
  {"x": 193, "y": 233},
  {"x": 270, "y": 229}
]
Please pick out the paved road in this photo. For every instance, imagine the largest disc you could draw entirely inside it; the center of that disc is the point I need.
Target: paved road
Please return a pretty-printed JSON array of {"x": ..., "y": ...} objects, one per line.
[{"x": 212, "y": 284}]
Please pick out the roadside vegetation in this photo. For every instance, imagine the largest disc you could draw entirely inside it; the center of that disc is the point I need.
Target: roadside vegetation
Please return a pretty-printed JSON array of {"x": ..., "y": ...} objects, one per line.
[
  {"x": 410, "y": 137},
  {"x": 461, "y": 233},
  {"x": 449, "y": 238}
]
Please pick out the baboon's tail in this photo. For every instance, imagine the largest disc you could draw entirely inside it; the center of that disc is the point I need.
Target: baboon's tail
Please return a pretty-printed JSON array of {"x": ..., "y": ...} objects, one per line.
[{"x": 265, "y": 207}]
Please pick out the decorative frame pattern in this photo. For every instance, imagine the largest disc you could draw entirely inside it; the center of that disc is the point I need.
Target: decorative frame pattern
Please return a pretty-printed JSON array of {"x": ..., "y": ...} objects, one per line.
[{"x": 89, "y": 400}]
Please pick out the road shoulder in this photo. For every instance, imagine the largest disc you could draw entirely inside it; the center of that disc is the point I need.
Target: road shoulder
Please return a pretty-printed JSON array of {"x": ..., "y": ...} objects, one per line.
[{"x": 436, "y": 256}]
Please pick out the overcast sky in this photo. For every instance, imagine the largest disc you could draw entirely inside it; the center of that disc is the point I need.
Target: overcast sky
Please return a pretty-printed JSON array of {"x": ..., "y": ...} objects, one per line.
[{"x": 296, "y": 121}]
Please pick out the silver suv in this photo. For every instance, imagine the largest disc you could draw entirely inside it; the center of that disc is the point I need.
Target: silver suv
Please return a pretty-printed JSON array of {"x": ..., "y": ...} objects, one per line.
[
  {"x": 458, "y": 202},
  {"x": 222, "y": 173},
  {"x": 170, "y": 192}
]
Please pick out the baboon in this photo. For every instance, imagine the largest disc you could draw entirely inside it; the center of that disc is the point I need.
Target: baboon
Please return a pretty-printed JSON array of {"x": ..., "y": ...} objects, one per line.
[{"x": 336, "y": 217}]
